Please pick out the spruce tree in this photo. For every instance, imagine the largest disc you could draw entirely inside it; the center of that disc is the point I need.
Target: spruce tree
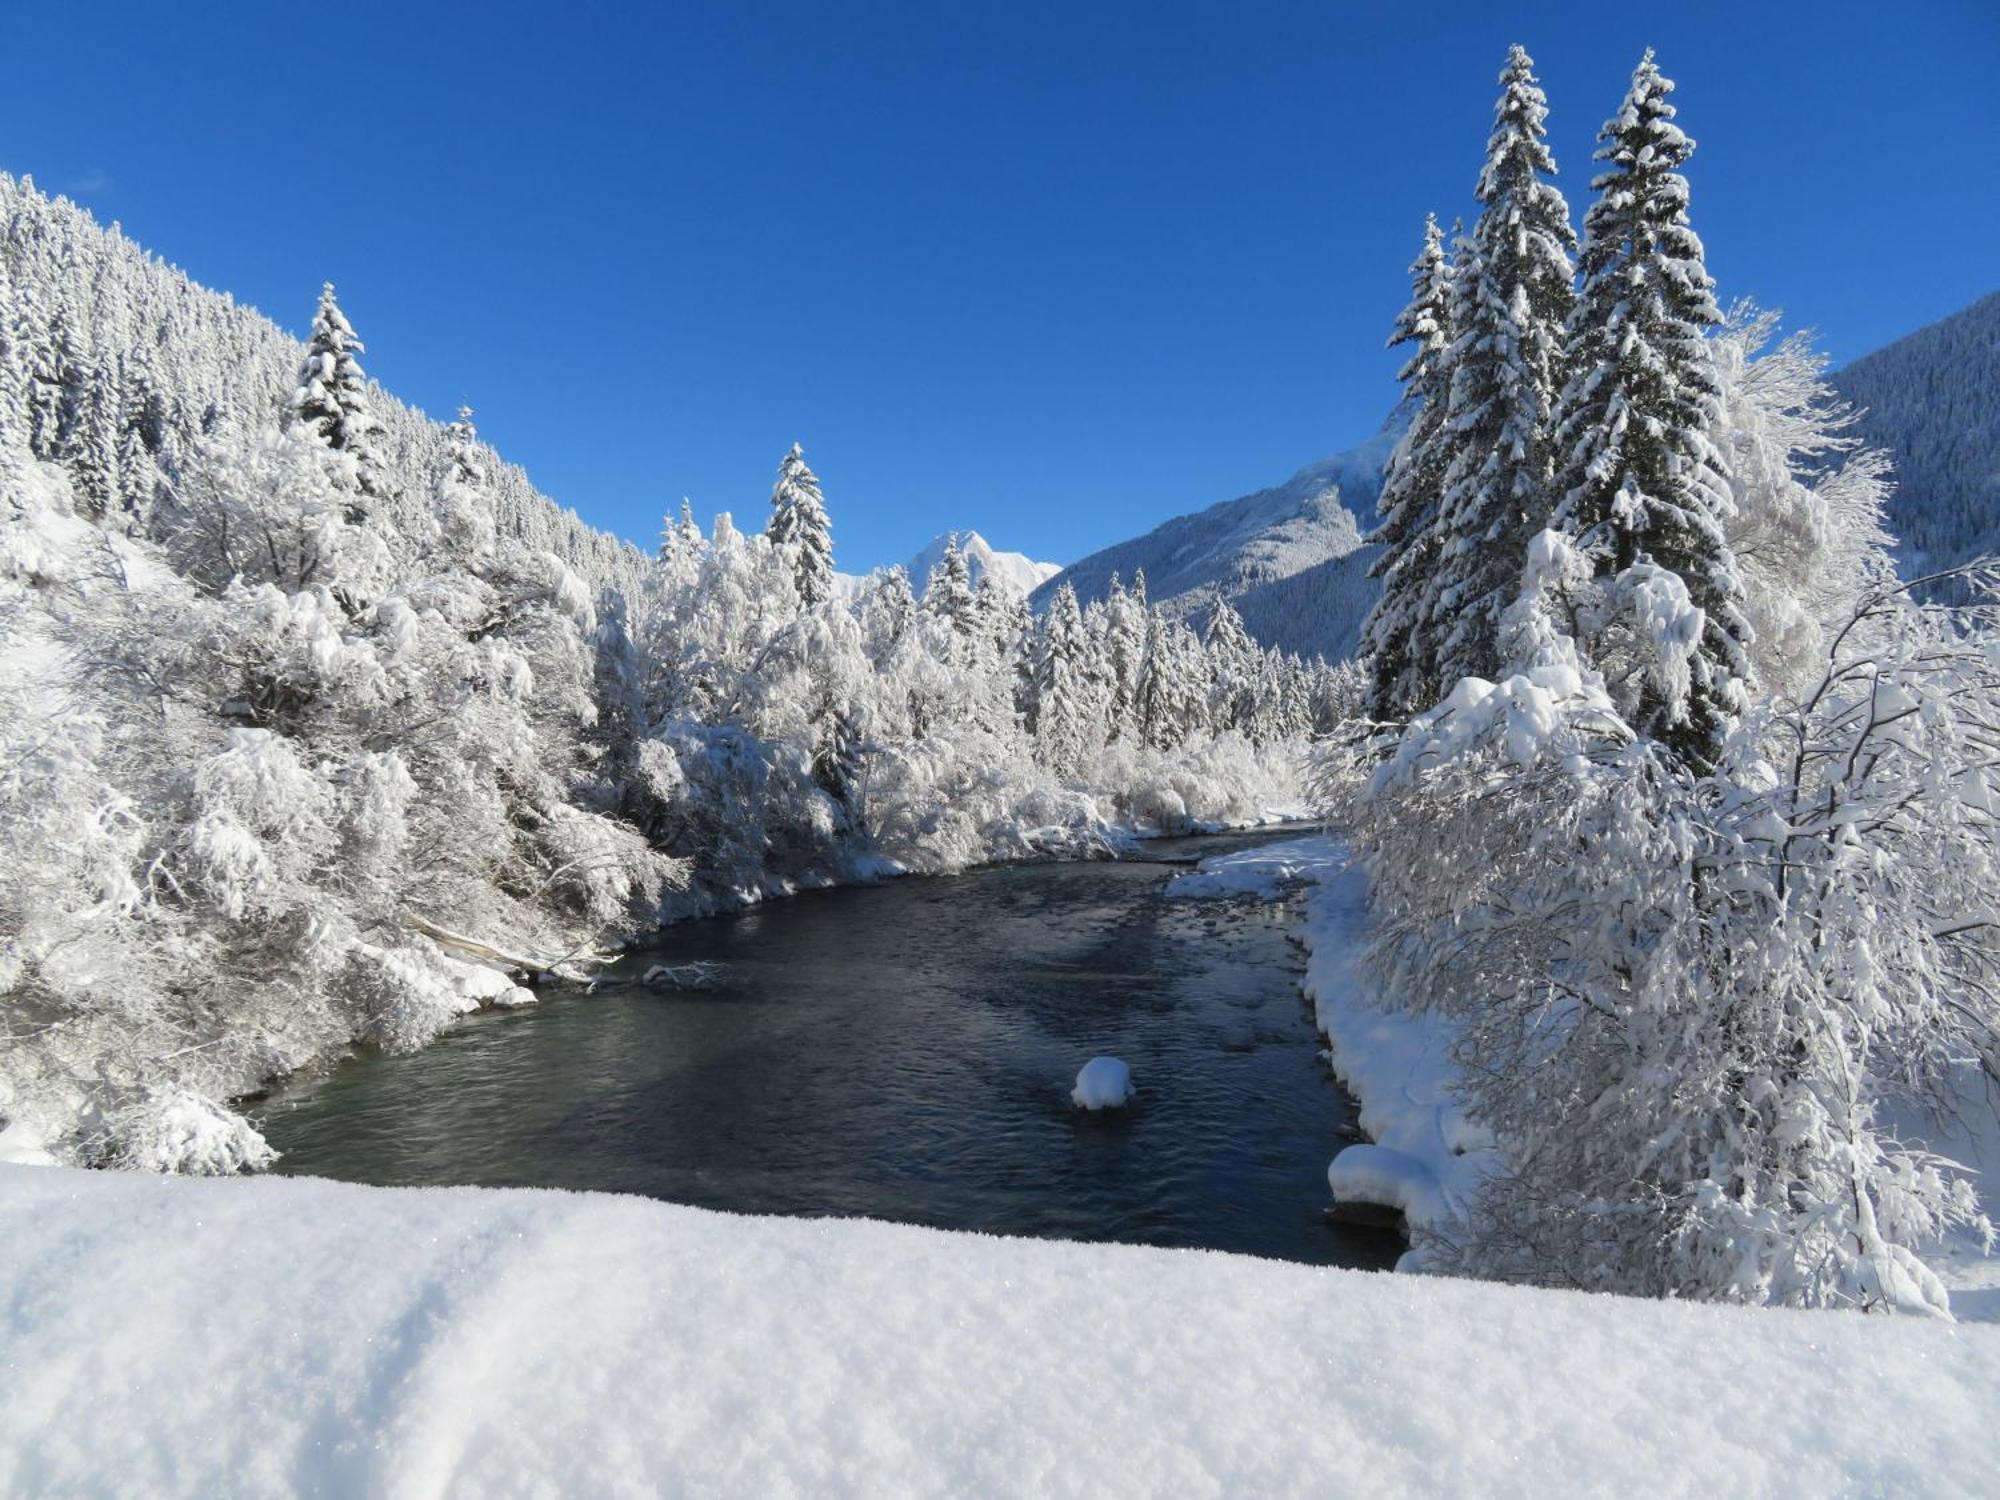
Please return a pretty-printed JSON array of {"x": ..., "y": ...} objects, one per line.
[
  {"x": 1510, "y": 297},
  {"x": 680, "y": 537},
  {"x": 332, "y": 401},
  {"x": 1396, "y": 639},
  {"x": 1060, "y": 711},
  {"x": 465, "y": 510},
  {"x": 948, "y": 591},
  {"x": 1638, "y": 480},
  {"x": 799, "y": 526}
]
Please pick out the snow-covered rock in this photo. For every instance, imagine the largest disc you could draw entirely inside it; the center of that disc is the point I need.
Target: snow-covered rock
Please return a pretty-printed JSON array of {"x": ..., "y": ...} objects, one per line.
[
  {"x": 1103, "y": 1083},
  {"x": 276, "y": 1337}
]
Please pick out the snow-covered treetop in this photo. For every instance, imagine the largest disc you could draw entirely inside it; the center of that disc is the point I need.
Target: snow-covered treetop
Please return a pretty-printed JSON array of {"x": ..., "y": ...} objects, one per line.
[
  {"x": 331, "y": 398},
  {"x": 1517, "y": 153},
  {"x": 799, "y": 526},
  {"x": 1425, "y": 324}
]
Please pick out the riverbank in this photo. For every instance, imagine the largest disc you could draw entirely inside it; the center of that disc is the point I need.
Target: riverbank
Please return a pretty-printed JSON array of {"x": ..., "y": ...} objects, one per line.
[{"x": 291, "y": 1337}]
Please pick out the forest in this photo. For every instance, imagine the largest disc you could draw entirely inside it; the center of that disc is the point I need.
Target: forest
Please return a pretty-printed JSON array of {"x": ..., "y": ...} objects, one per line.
[{"x": 312, "y": 704}]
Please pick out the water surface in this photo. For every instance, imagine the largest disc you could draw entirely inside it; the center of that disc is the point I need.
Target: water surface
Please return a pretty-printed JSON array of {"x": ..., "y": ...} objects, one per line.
[{"x": 902, "y": 1051}]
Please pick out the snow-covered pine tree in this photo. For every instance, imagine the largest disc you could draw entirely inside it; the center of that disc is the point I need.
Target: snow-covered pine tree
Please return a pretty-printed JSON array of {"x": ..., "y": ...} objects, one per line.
[
  {"x": 1124, "y": 654},
  {"x": 799, "y": 525},
  {"x": 948, "y": 591},
  {"x": 1510, "y": 298},
  {"x": 465, "y": 510},
  {"x": 681, "y": 536},
  {"x": 14, "y": 364},
  {"x": 1061, "y": 715},
  {"x": 1396, "y": 639},
  {"x": 331, "y": 401},
  {"x": 1233, "y": 665},
  {"x": 1638, "y": 481}
]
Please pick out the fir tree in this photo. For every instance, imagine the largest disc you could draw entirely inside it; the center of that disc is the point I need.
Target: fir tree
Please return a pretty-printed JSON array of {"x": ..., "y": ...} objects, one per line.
[
  {"x": 331, "y": 401},
  {"x": 1510, "y": 297},
  {"x": 799, "y": 526},
  {"x": 681, "y": 537},
  {"x": 465, "y": 510},
  {"x": 1639, "y": 481},
  {"x": 1060, "y": 713},
  {"x": 1124, "y": 653},
  {"x": 948, "y": 591},
  {"x": 1397, "y": 640}
]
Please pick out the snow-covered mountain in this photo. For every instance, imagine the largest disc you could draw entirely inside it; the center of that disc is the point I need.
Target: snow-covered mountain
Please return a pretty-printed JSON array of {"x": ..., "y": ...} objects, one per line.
[
  {"x": 1933, "y": 400},
  {"x": 1291, "y": 557},
  {"x": 1015, "y": 571}
]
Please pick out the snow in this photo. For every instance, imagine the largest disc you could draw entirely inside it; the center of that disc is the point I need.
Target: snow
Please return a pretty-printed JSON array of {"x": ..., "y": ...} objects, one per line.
[
  {"x": 294, "y": 1337},
  {"x": 1016, "y": 572},
  {"x": 1308, "y": 529},
  {"x": 1266, "y": 872},
  {"x": 1103, "y": 1083},
  {"x": 1424, "y": 1156}
]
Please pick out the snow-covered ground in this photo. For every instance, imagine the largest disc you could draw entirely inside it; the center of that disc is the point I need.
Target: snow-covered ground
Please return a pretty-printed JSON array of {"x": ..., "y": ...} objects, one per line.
[
  {"x": 169, "y": 1337},
  {"x": 1424, "y": 1157}
]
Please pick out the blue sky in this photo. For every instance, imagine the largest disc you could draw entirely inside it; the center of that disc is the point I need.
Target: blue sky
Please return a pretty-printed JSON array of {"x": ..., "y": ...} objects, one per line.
[{"x": 1056, "y": 272}]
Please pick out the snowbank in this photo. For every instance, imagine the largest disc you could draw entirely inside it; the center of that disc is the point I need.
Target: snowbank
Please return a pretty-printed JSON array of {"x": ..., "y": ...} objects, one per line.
[
  {"x": 1102, "y": 1083},
  {"x": 1267, "y": 871},
  {"x": 287, "y": 1336},
  {"x": 1426, "y": 1158}
]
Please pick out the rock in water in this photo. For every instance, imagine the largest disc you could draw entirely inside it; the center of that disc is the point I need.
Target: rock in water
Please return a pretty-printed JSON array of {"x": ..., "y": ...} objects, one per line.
[{"x": 1103, "y": 1083}]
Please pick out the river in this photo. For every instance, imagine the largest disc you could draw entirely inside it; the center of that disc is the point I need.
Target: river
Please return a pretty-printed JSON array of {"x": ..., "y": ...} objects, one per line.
[{"x": 902, "y": 1051}]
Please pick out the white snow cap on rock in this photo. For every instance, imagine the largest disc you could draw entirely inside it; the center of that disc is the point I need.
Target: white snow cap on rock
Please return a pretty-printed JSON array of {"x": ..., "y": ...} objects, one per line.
[{"x": 1103, "y": 1083}]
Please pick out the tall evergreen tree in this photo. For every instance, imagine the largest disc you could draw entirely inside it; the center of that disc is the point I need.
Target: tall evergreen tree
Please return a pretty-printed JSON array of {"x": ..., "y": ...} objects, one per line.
[
  {"x": 948, "y": 591},
  {"x": 799, "y": 526},
  {"x": 332, "y": 401},
  {"x": 680, "y": 538},
  {"x": 1638, "y": 480},
  {"x": 1510, "y": 298},
  {"x": 1061, "y": 714},
  {"x": 1396, "y": 639}
]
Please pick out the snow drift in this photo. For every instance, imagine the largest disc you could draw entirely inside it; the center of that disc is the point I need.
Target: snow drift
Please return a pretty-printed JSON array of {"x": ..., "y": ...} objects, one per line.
[{"x": 293, "y": 1337}]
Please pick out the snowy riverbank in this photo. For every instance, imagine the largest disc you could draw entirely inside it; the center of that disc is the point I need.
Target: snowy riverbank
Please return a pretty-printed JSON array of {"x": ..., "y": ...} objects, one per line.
[
  {"x": 1424, "y": 1157},
  {"x": 292, "y": 1337}
]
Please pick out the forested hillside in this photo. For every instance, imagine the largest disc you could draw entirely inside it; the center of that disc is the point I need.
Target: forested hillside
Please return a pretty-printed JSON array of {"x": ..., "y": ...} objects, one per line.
[
  {"x": 318, "y": 725},
  {"x": 1932, "y": 400},
  {"x": 1316, "y": 518}
]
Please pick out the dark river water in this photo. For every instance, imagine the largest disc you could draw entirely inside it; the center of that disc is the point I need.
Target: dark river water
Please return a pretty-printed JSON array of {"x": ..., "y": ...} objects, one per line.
[{"x": 901, "y": 1051}]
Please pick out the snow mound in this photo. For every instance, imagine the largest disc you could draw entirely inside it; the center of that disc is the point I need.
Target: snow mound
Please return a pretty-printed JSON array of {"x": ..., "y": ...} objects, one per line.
[
  {"x": 266, "y": 1336},
  {"x": 1103, "y": 1083},
  {"x": 1266, "y": 872}
]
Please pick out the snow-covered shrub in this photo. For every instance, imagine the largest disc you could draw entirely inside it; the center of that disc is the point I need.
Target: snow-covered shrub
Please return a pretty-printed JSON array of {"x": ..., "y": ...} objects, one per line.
[{"x": 1683, "y": 999}]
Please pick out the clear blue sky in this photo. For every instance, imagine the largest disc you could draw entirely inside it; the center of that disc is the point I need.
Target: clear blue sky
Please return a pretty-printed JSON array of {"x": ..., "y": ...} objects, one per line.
[{"x": 1053, "y": 271}]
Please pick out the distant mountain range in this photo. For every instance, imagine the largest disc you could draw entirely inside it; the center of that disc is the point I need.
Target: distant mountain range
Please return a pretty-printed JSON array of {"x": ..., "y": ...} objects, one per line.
[{"x": 1292, "y": 559}]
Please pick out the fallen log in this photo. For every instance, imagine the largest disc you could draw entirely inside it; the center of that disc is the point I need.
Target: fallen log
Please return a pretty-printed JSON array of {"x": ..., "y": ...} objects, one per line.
[{"x": 564, "y": 967}]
